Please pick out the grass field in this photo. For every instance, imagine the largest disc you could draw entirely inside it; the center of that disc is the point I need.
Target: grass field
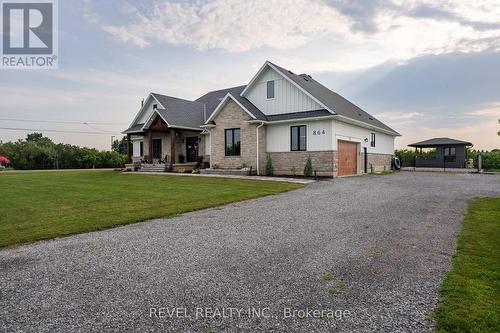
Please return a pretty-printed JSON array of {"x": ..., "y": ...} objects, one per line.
[
  {"x": 43, "y": 205},
  {"x": 471, "y": 290}
]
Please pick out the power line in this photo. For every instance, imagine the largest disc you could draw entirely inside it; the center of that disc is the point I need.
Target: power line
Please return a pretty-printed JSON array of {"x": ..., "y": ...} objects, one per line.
[
  {"x": 64, "y": 122},
  {"x": 53, "y": 130}
]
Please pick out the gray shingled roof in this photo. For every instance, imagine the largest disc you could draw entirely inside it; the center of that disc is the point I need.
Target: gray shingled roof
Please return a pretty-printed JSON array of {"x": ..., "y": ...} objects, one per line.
[
  {"x": 184, "y": 113},
  {"x": 213, "y": 98},
  {"x": 439, "y": 142},
  {"x": 134, "y": 129},
  {"x": 332, "y": 100},
  {"x": 299, "y": 115},
  {"x": 180, "y": 112}
]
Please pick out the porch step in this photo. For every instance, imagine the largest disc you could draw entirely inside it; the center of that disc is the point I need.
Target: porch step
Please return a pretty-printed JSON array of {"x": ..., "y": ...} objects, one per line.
[
  {"x": 185, "y": 167},
  {"x": 153, "y": 167},
  {"x": 234, "y": 172}
]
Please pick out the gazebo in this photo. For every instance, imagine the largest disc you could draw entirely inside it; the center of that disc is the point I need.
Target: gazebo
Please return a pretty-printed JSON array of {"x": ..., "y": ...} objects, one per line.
[{"x": 450, "y": 153}]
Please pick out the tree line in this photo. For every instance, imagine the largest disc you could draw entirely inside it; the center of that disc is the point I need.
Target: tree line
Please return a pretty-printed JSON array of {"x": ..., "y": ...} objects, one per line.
[
  {"x": 490, "y": 159},
  {"x": 39, "y": 152}
]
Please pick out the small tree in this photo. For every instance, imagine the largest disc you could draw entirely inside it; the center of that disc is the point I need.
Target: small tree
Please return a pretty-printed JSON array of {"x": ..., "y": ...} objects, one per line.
[
  {"x": 308, "y": 169},
  {"x": 269, "y": 166},
  {"x": 4, "y": 161},
  {"x": 120, "y": 146}
]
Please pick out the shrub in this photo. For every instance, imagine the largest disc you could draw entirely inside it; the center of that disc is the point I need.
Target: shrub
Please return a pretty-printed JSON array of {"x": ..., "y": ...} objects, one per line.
[
  {"x": 308, "y": 169},
  {"x": 199, "y": 162},
  {"x": 490, "y": 159},
  {"x": 4, "y": 161},
  {"x": 39, "y": 152},
  {"x": 195, "y": 171},
  {"x": 269, "y": 166}
]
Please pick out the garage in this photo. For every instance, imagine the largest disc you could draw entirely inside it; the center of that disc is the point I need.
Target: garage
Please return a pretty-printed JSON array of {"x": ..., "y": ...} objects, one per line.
[{"x": 348, "y": 158}]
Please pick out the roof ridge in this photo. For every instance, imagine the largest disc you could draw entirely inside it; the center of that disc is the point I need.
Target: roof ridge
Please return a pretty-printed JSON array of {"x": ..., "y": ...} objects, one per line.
[
  {"x": 219, "y": 90},
  {"x": 173, "y": 97}
]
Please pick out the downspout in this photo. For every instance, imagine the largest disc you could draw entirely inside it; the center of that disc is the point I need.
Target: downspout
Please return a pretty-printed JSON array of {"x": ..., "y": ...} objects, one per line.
[
  {"x": 210, "y": 141},
  {"x": 258, "y": 169}
]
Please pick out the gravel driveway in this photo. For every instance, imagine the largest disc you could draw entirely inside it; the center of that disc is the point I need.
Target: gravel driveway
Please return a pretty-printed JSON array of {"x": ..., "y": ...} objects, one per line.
[{"x": 386, "y": 240}]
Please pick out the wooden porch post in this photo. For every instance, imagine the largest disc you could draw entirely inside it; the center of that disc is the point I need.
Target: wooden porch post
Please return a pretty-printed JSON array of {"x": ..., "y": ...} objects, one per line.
[
  {"x": 172, "y": 146},
  {"x": 150, "y": 147},
  {"x": 129, "y": 148}
]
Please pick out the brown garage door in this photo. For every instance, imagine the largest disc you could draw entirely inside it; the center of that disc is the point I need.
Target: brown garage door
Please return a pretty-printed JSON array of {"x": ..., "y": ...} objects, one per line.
[{"x": 348, "y": 162}]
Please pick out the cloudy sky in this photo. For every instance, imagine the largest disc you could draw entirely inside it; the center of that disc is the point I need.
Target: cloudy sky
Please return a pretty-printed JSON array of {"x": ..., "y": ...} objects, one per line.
[{"x": 426, "y": 68}]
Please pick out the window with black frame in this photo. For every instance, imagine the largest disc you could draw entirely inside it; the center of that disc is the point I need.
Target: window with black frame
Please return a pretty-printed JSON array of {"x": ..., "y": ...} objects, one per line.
[
  {"x": 298, "y": 138},
  {"x": 233, "y": 142},
  {"x": 141, "y": 148},
  {"x": 372, "y": 139},
  {"x": 450, "y": 154},
  {"x": 270, "y": 89}
]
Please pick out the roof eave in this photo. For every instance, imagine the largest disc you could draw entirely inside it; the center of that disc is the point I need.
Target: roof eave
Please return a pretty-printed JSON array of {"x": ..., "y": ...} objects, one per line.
[
  {"x": 365, "y": 125},
  {"x": 186, "y": 127}
]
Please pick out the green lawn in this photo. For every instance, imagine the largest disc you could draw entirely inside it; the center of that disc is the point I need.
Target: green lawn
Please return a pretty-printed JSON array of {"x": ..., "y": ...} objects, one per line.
[
  {"x": 471, "y": 290},
  {"x": 43, "y": 205}
]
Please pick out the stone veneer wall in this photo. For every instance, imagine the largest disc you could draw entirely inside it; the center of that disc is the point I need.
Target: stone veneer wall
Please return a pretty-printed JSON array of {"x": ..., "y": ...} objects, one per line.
[
  {"x": 233, "y": 116},
  {"x": 380, "y": 162},
  {"x": 324, "y": 162}
]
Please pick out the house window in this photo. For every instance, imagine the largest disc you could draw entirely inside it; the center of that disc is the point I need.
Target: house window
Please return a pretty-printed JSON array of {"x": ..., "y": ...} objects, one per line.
[
  {"x": 298, "y": 138},
  {"x": 141, "y": 148},
  {"x": 270, "y": 89},
  {"x": 157, "y": 148},
  {"x": 450, "y": 154},
  {"x": 233, "y": 142},
  {"x": 372, "y": 139}
]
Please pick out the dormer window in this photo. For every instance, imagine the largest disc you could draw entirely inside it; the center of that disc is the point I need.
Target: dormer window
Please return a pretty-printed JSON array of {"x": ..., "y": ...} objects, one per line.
[{"x": 270, "y": 89}]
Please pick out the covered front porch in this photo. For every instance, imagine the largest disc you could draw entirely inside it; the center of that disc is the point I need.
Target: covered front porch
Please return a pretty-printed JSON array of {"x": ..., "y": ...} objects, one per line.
[{"x": 160, "y": 147}]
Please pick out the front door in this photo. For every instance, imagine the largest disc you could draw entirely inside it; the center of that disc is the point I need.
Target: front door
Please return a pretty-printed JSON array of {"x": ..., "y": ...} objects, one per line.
[
  {"x": 348, "y": 162},
  {"x": 192, "y": 149}
]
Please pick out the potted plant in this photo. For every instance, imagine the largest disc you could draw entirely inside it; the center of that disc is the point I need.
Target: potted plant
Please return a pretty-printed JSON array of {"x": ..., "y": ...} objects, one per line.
[{"x": 4, "y": 161}]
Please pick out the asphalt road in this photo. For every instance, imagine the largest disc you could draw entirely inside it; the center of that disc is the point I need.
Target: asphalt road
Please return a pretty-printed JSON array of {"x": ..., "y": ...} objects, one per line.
[{"x": 254, "y": 266}]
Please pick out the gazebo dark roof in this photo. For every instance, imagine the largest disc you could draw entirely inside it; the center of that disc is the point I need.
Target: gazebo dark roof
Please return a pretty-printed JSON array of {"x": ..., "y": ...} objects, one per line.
[{"x": 439, "y": 142}]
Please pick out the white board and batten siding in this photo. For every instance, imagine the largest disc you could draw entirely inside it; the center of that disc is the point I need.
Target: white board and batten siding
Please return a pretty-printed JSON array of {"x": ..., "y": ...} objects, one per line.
[
  {"x": 287, "y": 97},
  {"x": 323, "y": 135},
  {"x": 384, "y": 143},
  {"x": 319, "y": 136},
  {"x": 147, "y": 111}
]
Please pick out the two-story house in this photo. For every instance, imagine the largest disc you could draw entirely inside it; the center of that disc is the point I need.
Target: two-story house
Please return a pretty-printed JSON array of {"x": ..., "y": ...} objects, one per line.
[{"x": 279, "y": 115}]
